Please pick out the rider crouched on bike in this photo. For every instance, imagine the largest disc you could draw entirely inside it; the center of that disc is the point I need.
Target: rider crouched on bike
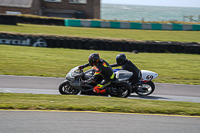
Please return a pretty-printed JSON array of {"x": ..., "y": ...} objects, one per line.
[
  {"x": 103, "y": 69},
  {"x": 129, "y": 66}
]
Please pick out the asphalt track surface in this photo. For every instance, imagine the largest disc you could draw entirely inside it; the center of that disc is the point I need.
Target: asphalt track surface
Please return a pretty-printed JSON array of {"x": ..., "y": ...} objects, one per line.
[
  {"x": 93, "y": 122},
  {"x": 87, "y": 122},
  {"x": 49, "y": 85}
]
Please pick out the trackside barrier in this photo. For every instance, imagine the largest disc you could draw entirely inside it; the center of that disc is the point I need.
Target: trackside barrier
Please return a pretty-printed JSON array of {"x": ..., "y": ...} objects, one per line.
[
  {"x": 195, "y": 27},
  {"x": 13, "y": 20},
  {"x": 156, "y": 27},
  {"x": 8, "y": 19},
  {"x": 136, "y": 26},
  {"x": 73, "y": 22},
  {"x": 96, "y": 24},
  {"x": 85, "y": 23},
  {"x": 42, "y": 21},
  {"x": 99, "y": 44},
  {"x": 125, "y": 25},
  {"x": 131, "y": 25}
]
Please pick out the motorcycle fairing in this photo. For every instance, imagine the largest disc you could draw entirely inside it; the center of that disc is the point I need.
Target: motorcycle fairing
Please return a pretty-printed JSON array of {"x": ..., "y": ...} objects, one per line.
[{"x": 147, "y": 75}]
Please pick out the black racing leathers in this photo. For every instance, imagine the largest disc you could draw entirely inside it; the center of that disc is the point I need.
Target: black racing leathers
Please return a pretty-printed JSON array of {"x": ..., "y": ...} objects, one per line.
[
  {"x": 129, "y": 66},
  {"x": 103, "y": 69}
]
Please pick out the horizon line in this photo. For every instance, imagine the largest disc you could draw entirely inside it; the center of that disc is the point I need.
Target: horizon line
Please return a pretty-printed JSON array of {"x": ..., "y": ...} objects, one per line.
[{"x": 151, "y": 5}]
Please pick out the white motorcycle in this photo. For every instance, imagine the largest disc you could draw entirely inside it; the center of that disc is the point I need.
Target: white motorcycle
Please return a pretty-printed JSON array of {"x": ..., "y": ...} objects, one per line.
[
  {"x": 145, "y": 86},
  {"x": 72, "y": 84}
]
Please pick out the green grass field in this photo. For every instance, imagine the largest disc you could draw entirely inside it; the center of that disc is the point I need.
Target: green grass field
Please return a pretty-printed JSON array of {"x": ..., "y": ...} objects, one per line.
[
  {"x": 145, "y": 35},
  {"x": 56, "y": 62},
  {"x": 96, "y": 103}
]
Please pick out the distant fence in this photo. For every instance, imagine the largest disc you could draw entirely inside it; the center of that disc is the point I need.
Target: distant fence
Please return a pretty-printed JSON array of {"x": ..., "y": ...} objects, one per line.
[
  {"x": 192, "y": 18},
  {"x": 13, "y": 20},
  {"x": 99, "y": 44},
  {"x": 131, "y": 25}
]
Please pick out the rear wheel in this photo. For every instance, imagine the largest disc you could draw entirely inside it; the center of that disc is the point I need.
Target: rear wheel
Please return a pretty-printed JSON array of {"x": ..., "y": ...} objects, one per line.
[
  {"x": 145, "y": 89},
  {"x": 66, "y": 89}
]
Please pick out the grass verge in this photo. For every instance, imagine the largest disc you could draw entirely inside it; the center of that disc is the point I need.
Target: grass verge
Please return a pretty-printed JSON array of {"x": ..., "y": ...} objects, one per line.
[
  {"x": 95, "y": 103},
  {"x": 56, "y": 62},
  {"x": 125, "y": 34}
]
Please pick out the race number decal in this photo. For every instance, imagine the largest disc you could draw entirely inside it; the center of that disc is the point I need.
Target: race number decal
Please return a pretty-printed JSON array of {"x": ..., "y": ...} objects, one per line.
[{"x": 149, "y": 77}]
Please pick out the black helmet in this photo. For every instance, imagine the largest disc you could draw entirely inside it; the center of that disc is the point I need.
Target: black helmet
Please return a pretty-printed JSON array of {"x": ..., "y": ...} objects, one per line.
[
  {"x": 93, "y": 59},
  {"x": 120, "y": 59}
]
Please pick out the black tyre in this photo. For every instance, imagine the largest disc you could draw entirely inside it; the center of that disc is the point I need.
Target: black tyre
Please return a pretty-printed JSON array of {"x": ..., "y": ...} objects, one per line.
[
  {"x": 122, "y": 90},
  {"x": 145, "y": 89},
  {"x": 66, "y": 89}
]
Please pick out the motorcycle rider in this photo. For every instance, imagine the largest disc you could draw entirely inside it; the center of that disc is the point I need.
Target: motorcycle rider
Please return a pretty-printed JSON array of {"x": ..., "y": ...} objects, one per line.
[
  {"x": 129, "y": 66},
  {"x": 102, "y": 68}
]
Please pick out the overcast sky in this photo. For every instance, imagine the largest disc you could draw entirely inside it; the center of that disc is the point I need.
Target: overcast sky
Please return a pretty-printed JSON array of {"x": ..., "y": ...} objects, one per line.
[{"x": 178, "y": 3}]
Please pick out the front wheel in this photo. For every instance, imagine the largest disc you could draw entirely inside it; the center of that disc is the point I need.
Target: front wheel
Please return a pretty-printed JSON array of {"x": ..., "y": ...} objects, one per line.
[
  {"x": 121, "y": 90},
  {"x": 66, "y": 89},
  {"x": 145, "y": 89}
]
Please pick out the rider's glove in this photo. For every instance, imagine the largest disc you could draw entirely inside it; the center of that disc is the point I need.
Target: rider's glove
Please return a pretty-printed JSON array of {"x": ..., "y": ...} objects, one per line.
[{"x": 80, "y": 67}]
